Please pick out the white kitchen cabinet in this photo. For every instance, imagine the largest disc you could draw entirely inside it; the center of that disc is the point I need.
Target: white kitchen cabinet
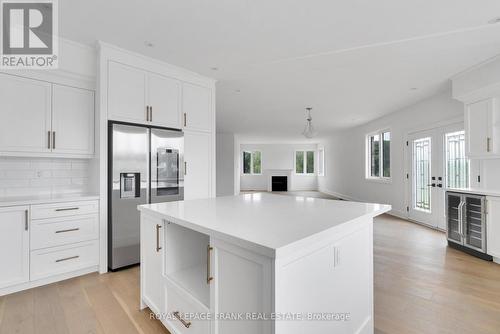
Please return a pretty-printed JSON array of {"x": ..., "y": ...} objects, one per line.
[
  {"x": 493, "y": 227},
  {"x": 72, "y": 120},
  {"x": 127, "y": 94},
  {"x": 164, "y": 101},
  {"x": 482, "y": 128},
  {"x": 152, "y": 250},
  {"x": 240, "y": 275},
  {"x": 197, "y": 106},
  {"x": 197, "y": 164},
  {"x": 139, "y": 96},
  {"x": 14, "y": 245},
  {"x": 25, "y": 111}
]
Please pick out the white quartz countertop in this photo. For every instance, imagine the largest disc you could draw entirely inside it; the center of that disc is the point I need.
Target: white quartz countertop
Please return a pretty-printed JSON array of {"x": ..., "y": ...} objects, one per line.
[
  {"x": 266, "y": 220},
  {"x": 43, "y": 199},
  {"x": 477, "y": 191}
]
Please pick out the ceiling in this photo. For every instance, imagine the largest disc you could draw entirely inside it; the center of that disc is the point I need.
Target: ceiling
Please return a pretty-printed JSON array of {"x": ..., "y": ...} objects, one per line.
[{"x": 351, "y": 60}]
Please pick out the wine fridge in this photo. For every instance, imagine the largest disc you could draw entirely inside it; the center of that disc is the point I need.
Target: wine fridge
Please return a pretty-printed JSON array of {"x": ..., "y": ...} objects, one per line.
[{"x": 466, "y": 223}]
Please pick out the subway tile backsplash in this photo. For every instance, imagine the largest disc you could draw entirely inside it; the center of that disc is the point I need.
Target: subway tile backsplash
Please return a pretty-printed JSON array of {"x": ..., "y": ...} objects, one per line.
[{"x": 41, "y": 176}]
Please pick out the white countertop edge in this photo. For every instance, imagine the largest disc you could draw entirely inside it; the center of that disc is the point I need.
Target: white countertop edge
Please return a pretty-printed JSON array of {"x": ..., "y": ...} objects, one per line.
[
  {"x": 27, "y": 200},
  {"x": 475, "y": 191},
  {"x": 259, "y": 248}
]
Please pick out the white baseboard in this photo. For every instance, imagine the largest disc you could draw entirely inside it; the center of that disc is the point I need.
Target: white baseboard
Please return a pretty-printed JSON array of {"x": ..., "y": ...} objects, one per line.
[{"x": 48, "y": 280}]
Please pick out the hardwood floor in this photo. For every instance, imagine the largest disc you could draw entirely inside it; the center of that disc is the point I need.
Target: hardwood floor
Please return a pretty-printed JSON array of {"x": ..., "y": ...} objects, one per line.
[{"x": 421, "y": 286}]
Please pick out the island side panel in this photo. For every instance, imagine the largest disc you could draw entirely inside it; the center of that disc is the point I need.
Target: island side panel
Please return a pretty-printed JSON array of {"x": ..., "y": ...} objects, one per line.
[
  {"x": 331, "y": 284},
  {"x": 241, "y": 286}
]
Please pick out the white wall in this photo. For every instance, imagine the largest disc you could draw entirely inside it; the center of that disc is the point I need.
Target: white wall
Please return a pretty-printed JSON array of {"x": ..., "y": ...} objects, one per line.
[
  {"x": 345, "y": 152},
  {"x": 225, "y": 164},
  {"x": 277, "y": 156}
]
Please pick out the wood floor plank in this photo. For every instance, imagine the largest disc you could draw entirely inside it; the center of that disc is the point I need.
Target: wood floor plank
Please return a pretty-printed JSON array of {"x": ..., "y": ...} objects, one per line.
[{"x": 47, "y": 310}]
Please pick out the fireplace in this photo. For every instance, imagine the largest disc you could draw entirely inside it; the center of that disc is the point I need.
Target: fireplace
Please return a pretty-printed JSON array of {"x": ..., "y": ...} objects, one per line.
[{"x": 279, "y": 183}]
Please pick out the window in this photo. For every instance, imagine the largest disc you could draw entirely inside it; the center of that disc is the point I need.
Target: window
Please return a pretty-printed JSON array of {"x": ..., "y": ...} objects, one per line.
[
  {"x": 321, "y": 162},
  {"x": 422, "y": 174},
  {"x": 304, "y": 162},
  {"x": 379, "y": 155},
  {"x": 252, "y": 162},
  {"x": 457, "y": 165}
]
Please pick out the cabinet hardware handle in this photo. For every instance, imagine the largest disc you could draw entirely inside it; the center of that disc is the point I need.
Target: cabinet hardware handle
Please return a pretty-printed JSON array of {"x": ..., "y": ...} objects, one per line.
[
  {"x": 150, "y": 113},
  {"x": 68, "y": 258},
  {"x": 53, "y": 139},
  {"x": 147, "y": 113},
  {"x": 67, "y": 209},
  {"x": 209, "y": 269},
  {"x": 186, "y": 324},
  {"x": 185, "y": 168},
  {"x": 48, "y": 141},
  {"x": 69, "y": 230},
  {"x": 26, "y": 216},
  {"x": 158, "y": 248},
  {"x": 488, "y": 144},
  {"x": 185, "y": 119}
]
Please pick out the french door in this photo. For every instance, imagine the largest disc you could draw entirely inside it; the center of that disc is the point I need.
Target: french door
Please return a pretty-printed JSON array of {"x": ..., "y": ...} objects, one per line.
[{"x": 436, "y": 160}]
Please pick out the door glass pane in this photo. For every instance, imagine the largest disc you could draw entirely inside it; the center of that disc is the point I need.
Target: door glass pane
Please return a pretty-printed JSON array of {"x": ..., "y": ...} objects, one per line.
[
  {"x": 247, "y": 160},
  {"x": 457, "y": 165},
  {"x": 310, "y": 162},
  {"x": 299, "y": 162},
  {"x": 375, "y": 155},
  {"x": 256, "y": 162},
  {"x": 422, "y": 174},
  {"x": 386, "y": 139}
]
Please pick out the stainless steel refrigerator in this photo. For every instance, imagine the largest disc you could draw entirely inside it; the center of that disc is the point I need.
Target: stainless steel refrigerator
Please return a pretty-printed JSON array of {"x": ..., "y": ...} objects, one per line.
[{"x": 144, "y": 167}]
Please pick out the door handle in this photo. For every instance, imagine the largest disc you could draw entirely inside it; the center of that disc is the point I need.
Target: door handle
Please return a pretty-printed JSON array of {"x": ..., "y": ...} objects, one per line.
[
  {"x": 431, "y": 185},
  {"x": 49, "y": 143},
  {"x": 147, "y": 113},
  {"x": 26, "y": 218},
  {"x": 209, "y": 269},
  {"x": 186, "y": 324},
  {"x": 158, "y": 248},
  {"x": 150, "y": 113},
  {"x": 53, "y": 139},
  {"x": 185, "y": 119}
]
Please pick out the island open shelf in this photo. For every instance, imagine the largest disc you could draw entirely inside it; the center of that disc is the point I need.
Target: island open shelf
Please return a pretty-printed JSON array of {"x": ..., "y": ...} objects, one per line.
[{"x": 186, "y": 261}]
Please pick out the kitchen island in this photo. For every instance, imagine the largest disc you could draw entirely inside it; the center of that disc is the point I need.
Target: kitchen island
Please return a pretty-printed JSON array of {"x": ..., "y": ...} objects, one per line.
[{"x": 259, "y": 263}]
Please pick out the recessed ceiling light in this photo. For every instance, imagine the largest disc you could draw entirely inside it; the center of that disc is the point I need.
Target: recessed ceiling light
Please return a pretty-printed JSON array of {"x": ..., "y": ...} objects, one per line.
[
  {"x": 413, "y": 88},
  {"x": 149, "y": 44},
  {"x": 494, "y": 21},
  {"x": 214, "y": 68},
  {"x": 238, "y": 91}
]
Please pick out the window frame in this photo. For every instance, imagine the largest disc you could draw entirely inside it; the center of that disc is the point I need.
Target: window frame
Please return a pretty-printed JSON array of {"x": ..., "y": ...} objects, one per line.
[
  {"x": 321, "y": 164},
  {"x": 251, "y": 162},
  {"x": 445, "y": 159},
  {"x": 381, "y": 177},
  {"x": 304, "y": 162}
]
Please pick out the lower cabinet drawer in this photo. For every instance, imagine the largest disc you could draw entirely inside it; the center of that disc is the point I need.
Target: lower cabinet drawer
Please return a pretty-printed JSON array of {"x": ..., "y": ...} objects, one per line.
[
  {"x": 54, "y": 210},
  {"x": 181, "y": 305},
  {"x": 62, "y": 231},
  {"x": 63, "y": 259}
]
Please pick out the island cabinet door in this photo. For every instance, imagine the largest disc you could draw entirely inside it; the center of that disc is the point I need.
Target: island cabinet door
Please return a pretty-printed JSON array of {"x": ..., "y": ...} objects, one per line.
[
  {"x": 330, "y": 286},
  {"x": 152, "y": 284},
  {"x": 240, "y": 289}
]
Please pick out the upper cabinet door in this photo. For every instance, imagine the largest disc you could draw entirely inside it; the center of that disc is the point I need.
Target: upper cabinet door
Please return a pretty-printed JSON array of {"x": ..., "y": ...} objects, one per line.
[
  {"x": 72, "y": 120},
  {"x": 164, "y": 101},
  {"x": 25, "y": 114},
  {"x": 14, "y": 245},
  {"x": 197, "y": 106},
  {"x": 197, "y": 173},
  {"x": 480, "y": 123},
  {"x": 126, "y": 94}
]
